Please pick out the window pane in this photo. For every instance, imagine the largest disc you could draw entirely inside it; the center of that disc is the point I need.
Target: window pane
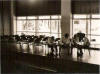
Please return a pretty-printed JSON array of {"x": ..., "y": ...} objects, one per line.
[
  {"x": 96, "y": 16},
  {"x": 59, "y": 26},
  {"x": 25, "y": 27},
  {"x": 43, "y": 26},
  {"x": 79, "y": 25},
  {"x": 21, "y": 25},
  {"x": 54, "y": 26},
  {"x": 31, "y": 25},
  {"x": 59, "y": 17},
  {"x": 80, "y": 16},
  {"x": 95, "y": 27},
  {"x": 44, "y": 17},
  {"x": 31, "y": 17},
  {"x": 21, "y": 17},
  {"x": 97, "y": 39},
  {"x": 55, "y": 17}
]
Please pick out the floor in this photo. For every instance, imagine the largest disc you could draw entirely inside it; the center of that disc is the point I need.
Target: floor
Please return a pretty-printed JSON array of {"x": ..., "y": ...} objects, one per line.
[
  {"x": 43, "y": 50},
  {"x": 58, "y": 62}
]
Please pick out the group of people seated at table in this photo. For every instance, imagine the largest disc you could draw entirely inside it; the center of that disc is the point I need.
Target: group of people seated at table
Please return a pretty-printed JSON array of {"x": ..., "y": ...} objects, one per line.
[{"x": 78, "y": 41}]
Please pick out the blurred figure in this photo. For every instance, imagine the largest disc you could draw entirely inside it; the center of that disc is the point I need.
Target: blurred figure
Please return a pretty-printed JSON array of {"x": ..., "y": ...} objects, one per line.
[
  {"x": 65, "y": 43},
  {"x": 79, "y": 43},
  {"x": 73, "y": 43},
  {"x": 23, "y": 37},
  {"x": 51, "y": 44},
  {"x": 86, "y": 43}
]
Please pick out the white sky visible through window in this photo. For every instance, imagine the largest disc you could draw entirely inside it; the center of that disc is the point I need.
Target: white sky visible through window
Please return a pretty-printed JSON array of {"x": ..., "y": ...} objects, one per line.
[{"x": 39, "y": 25}]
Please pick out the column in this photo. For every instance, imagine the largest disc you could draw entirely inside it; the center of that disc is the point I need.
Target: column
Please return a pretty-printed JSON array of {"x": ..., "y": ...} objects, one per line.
[
  {"x": 66, "y": 17},
  {"x": 13, "y": 18}
]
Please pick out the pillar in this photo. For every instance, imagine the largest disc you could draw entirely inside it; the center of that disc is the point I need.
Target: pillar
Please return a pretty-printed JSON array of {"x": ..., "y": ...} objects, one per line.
[{"x": 66, "y": 17}]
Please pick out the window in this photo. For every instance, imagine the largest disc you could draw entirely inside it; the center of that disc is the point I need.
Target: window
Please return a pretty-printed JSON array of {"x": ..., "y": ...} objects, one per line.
[
  {"x": 44, "y": 17},
  {"x": 95, "y": 16},
  {"x": 79, "y": 16},
  {"x": 95, "y": 26},
  {"x": 31, "y": 17},
  {"x": 39, "y": 25},
  {"x": 79, "y": 25},
  {"x": 21, "y": 17},
  {"x": 88, "y": 24}
]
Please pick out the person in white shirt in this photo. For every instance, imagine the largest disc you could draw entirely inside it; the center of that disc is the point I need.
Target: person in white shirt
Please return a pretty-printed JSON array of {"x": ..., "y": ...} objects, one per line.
[
  {"x": 51, "y": 44},
  {"x": 79, "y": 43},
  {"x": 65, "y": 42}
]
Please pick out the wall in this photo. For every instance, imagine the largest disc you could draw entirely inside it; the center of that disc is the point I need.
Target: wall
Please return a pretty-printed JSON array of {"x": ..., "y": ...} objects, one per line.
[
  {"x": 1, "y": 25},
  {"x": 43, "y": 7},
  {"x": 85, "y": 6},
  {"x": 38, "y": 7},
  {"x": 6, "y": 18}
]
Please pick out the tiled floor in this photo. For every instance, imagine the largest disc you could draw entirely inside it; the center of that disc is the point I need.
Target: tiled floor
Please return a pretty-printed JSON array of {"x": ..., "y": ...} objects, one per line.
[{"x": 43, "y": 50}]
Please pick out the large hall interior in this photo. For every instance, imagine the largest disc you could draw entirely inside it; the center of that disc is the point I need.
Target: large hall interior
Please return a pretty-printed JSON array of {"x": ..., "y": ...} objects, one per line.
[{"x": 49, "y": 36}]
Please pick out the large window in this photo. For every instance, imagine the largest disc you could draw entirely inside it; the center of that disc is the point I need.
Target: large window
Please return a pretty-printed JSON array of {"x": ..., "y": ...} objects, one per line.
[
  {"x": 88, "y": 24},
  {"x": 39, "y": 25}
]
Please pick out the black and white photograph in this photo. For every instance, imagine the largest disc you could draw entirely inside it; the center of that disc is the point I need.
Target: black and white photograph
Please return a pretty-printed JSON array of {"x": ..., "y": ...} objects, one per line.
[{"x": 49, "y": 36}]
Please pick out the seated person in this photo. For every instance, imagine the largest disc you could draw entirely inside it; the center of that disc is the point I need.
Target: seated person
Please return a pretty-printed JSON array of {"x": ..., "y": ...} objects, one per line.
[
  {"x": 23, "y": 37},
  {"x": 65, "y": 42},
  {"x": 17, "y": 38},
  {"x": 73, "y": 42},
  {"x": 78, "y": 43},
  {"x": 51, "y": 44}
]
